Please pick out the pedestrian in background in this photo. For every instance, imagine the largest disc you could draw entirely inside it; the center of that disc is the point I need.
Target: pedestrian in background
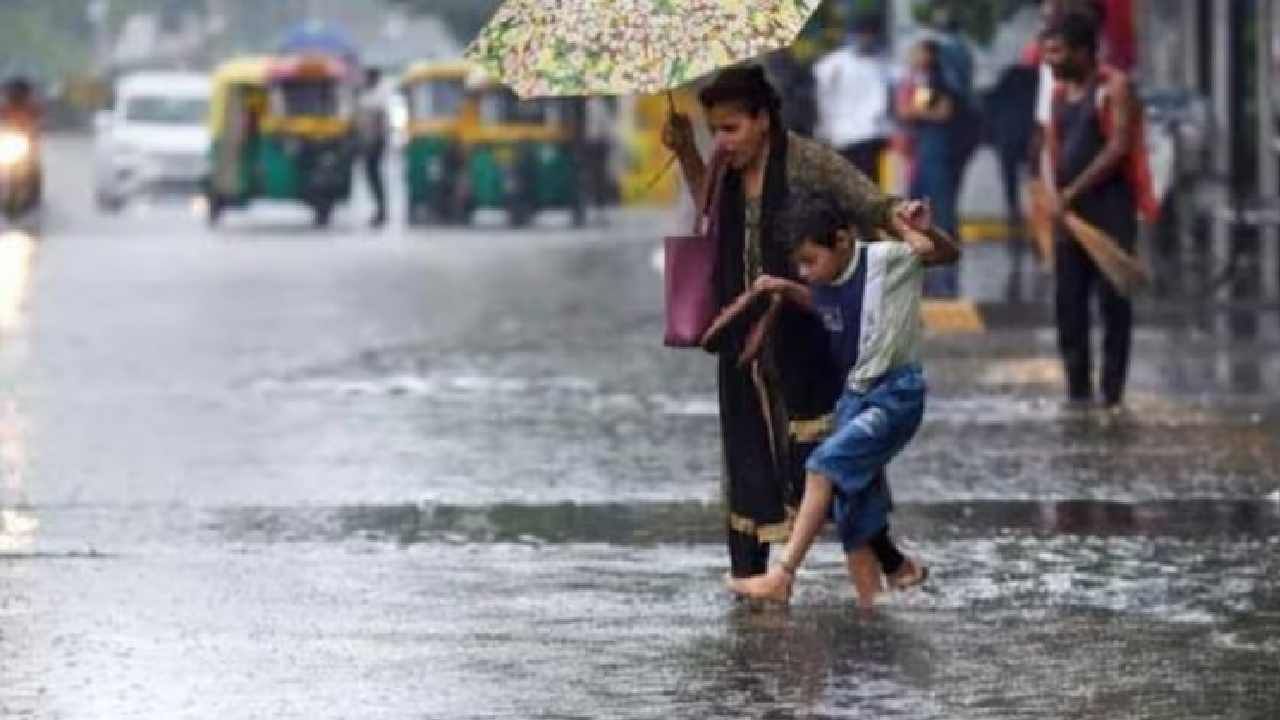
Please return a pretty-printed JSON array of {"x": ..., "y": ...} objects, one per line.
[
  {"x": 926, "y": 104},
  {"x": 853, "y": 96},
  {"x": 1116, "y": 41},
  {"x": 955, "y": 59},
  {"x": 1008, "y": 111},
  {"x": 600, "y": 144},
  {"x": 372, "y": 129},
  {"x": 793, "y": 78},
  {"x": 1090, "y": 142}
]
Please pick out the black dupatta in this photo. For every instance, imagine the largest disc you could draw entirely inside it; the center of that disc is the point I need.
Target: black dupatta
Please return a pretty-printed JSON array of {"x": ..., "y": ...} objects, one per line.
[{"x": 808, "y": 377}]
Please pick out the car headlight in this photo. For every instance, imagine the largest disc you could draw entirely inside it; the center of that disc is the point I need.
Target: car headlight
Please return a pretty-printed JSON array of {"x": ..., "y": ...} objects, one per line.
[{"x": 15, "y": 148}]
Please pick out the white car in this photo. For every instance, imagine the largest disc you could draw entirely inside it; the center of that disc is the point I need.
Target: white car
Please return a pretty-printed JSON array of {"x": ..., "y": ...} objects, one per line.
[{"x": 155, "y": 138}]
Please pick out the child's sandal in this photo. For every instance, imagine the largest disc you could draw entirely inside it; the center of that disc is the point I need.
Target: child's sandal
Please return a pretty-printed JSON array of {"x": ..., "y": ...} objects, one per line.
[{"x": 911, "y": 580}]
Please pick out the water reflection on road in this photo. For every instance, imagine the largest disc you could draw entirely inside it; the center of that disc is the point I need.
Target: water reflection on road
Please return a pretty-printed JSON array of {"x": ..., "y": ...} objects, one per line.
[{"x": 17, "y": 526}]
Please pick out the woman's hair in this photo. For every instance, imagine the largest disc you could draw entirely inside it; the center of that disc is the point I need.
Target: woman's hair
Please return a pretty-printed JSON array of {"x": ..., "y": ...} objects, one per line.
[
  {"x": 812, "y": 217},
  {"x": 745, "y": 86},
  {"x": 933, "y": 49},
  {"x": 933, "y": 71}
]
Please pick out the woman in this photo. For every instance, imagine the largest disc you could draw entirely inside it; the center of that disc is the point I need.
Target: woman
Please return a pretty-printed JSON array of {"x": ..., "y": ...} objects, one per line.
[
  {"x": 774, "y": 410},
  {"x": 927, "y": 106}
]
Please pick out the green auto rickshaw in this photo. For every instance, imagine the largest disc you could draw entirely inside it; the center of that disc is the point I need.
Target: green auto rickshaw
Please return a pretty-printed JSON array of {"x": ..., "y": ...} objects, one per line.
[
  {"x": 438, "y": 108},
  {"x": 518, "y": 155},
  {"x": 282, "y": 129}
]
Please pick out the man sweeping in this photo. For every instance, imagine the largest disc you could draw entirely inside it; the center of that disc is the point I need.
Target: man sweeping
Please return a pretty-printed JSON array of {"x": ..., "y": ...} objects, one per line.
[{"x": 1094, "y": 167}]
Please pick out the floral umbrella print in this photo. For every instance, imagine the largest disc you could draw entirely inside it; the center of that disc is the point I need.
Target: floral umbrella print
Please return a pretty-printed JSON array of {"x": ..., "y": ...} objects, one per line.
[{"x": 618, "y": 47}]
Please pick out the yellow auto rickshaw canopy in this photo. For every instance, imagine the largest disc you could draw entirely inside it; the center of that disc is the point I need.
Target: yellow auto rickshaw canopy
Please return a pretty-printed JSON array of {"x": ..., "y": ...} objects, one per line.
[
  {"x": 252, "y": 71},
  {"x": 428, "y": 71}
]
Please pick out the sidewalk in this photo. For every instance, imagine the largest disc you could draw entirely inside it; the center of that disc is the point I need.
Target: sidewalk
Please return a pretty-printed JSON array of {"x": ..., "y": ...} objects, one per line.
[{"x": 1006, "y": 282}]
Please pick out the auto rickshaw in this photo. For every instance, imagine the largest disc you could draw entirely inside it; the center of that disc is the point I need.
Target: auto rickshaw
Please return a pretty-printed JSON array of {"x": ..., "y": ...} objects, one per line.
[
  {"x": 647, "y": 176},
  {"x": 282, "y": 129},
  {"x": 435, "y": 95},
  {"x": 519, "y": 154}
]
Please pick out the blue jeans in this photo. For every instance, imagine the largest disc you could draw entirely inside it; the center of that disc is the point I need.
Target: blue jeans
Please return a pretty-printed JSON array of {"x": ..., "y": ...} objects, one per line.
[
  {"x": 871, "y": 429},
  {"x": 936, "y": 178}
]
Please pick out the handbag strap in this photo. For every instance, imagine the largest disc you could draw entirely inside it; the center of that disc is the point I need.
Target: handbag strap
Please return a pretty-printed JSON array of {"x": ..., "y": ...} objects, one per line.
[{"x": 712, "y": 186}]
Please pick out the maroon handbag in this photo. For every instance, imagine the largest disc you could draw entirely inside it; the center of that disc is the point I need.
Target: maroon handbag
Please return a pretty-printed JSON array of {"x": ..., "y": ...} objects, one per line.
[{"x": 690, "y": 268}]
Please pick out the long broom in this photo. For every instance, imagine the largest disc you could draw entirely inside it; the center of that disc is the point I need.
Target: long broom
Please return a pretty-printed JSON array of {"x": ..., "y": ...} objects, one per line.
[
  {"x": 1125, "y": 272},
  {"x": 1121, "y": 268}
]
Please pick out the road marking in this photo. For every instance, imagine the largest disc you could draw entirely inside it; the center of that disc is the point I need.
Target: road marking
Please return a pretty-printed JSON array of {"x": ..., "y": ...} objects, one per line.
[{"x": 952, "y": 317}]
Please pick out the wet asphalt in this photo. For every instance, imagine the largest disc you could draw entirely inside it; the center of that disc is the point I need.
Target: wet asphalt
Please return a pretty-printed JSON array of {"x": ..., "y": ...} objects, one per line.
[{"x": 266, "y": 471}]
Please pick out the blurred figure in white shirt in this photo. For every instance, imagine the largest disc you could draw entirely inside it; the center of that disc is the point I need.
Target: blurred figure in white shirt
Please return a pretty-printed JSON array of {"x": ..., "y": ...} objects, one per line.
[
  {"x": 853, "y": 89},
  {"x": 373, "y": 128}
]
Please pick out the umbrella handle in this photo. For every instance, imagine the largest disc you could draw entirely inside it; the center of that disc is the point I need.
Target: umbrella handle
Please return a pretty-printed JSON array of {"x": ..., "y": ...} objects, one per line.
[{"x": 657, "y": 178}]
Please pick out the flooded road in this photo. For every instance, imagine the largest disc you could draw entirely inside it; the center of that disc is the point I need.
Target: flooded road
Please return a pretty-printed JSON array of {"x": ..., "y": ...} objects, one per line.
[{"x": 269, "y": 472}]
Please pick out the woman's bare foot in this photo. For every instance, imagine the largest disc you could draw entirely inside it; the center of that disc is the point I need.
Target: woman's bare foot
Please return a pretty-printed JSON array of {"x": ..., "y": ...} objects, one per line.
[
  {"x": 911, "y": 574},
  {"x": 774, "y": 585}
]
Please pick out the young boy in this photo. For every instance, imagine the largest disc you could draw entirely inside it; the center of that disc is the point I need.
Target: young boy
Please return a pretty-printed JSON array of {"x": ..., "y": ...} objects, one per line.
[{"x": 868, "y": 296}]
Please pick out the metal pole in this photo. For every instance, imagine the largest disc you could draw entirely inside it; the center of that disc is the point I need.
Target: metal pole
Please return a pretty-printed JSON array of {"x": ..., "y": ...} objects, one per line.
[
  {"x": 1223, "y": 61},
  {"x": 1190, "y": 49},
  {"x": 1269, "y": 162},
  {"x": 1191, "y": 44}
]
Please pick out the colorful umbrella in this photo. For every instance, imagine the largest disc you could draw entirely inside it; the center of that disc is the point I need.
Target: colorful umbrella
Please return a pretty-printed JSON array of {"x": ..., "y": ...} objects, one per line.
[{"x": 617, "y": 47}]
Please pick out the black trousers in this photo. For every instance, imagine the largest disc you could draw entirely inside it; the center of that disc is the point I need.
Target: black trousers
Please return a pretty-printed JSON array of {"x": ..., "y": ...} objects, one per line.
[
  {"x": 373, "y": 174},
  {"x": 1077, "y": 280}
]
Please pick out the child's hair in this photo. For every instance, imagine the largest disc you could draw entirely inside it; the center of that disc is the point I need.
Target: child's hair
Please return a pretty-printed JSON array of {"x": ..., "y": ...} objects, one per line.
[
  {"x": 747, "y": 86},
  {"x": 813, "y": 217}
]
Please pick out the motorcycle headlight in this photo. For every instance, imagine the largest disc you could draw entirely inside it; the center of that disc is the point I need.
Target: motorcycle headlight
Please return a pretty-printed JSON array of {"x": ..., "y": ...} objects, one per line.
[{"x": 15, "y": 147}]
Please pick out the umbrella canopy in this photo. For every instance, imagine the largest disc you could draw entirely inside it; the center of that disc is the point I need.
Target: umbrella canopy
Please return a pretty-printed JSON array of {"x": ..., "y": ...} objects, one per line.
[
  {"x": 619, "y": 47},
  {"x": 319, "y": 38}
]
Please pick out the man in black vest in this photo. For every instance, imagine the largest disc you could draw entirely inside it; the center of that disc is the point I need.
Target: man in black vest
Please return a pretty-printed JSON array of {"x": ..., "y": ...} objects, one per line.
[{"x": 1090, "y": 140}]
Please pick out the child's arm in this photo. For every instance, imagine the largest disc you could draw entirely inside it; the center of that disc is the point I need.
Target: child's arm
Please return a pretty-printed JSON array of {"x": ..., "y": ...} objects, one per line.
[
  {"x": 788, "y": 290},
  {"x": 933, "y": 246},
  {"x": 945, "y": 250}
]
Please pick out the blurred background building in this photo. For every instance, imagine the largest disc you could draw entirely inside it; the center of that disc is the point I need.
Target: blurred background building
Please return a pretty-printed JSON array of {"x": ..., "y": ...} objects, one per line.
[{"x": 1207, "y": 68}]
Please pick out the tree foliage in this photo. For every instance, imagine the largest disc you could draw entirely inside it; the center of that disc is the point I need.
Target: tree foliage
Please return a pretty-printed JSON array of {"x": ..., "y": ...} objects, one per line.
[
  {"x": 977, "y": 19},
  {"x": 52, "y": 38},
  {"x": 466, "y": 17}
]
